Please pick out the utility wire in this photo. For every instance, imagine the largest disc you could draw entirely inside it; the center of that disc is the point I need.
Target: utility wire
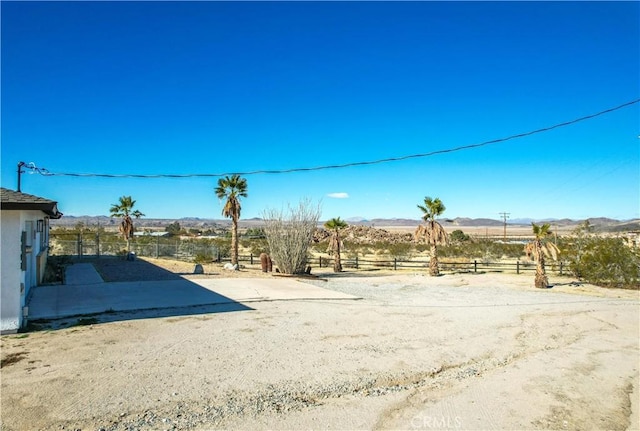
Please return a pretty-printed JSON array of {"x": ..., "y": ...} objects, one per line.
[{"x": 45, "y": 172}]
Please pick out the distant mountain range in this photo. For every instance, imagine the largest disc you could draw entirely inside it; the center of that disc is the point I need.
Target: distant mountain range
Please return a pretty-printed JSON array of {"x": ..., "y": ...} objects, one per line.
[{"x": 599, "y": 223}]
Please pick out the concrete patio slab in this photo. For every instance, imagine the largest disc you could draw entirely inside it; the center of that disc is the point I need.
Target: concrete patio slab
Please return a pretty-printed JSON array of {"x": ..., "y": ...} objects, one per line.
[
  {"x": 55, "y": 302},
  {"x": 81, "y": 274}
]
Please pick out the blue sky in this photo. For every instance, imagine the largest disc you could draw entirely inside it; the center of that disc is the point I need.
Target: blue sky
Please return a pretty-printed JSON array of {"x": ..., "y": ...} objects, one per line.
[{"x": 220, "y": 87}]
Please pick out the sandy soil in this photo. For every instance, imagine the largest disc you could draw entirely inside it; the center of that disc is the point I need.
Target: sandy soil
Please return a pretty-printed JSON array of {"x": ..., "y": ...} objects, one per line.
[{"x": 459, "y": 351}]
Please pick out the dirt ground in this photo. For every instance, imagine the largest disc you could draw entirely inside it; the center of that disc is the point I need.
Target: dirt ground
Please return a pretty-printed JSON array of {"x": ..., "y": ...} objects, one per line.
[{"x": 461, "y": 351}]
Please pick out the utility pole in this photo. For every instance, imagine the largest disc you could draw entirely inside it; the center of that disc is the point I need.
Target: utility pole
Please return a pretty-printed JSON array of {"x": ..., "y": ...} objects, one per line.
[
  {"x": 20, "y": 172},
  {"x": 505, "y": 216}
]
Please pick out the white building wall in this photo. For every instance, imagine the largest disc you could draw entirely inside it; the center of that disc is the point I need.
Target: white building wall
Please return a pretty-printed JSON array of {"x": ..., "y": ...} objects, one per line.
[
  {"x": 14, "y": 282},
  {"x": 11, "y": 276}
]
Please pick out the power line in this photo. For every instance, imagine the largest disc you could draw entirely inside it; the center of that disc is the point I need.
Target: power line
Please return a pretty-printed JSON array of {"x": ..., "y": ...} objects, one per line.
[
  {"x": 505, "y": 216},
  {"x": 45, "y": 172}
]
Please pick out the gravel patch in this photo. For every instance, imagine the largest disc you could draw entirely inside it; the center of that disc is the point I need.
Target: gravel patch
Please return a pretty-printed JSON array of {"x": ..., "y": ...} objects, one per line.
[{"x": 483, "y": 351}]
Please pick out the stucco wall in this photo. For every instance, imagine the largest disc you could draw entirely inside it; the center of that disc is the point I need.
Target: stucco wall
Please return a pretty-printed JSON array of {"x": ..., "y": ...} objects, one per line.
[
  {"x": 15, "y": 283},
  {"x": 10, "y": 301}
]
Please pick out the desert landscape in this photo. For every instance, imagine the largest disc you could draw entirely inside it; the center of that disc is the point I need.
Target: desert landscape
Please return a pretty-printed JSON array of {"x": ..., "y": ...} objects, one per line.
[
  {"x": 460, "y": 351},
  {"x": 322, "y": 215}
]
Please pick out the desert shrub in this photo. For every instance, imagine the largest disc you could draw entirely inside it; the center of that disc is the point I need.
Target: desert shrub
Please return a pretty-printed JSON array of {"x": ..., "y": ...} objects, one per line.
[
  {"x": 318, "y": 247},
  {"x": 400, "y": 250},
  {"x": 458, "y": 236},
  {"x": 379, "y": 247},
  {"x": 290, "y": 234},
  {"x": 257, "y": 246},
  {"x": 173, "y": 228},
  {"x": 352, "y": 250},
  {"x": 482, "y": 249},
  {"x": 203, "y": 258},
  {"x": 452, "y": 250},
  {"x": 364, "y": 250},
  {"x": 223, "y": 246},
  {"x": 254, "y": 232},
  {"x": 603, "y": 261},
  {"x": 455, "y": 264}
]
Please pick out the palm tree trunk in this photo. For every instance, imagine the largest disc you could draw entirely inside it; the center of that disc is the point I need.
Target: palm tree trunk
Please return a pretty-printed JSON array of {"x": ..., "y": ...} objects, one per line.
[
  {"x": 433, "y": 261},
  {"x": 541, "y": 280},
  {"x": 128, "y": 255},
  {"x": 337, "y": 264},
  {"x": 234, "y": 241}
]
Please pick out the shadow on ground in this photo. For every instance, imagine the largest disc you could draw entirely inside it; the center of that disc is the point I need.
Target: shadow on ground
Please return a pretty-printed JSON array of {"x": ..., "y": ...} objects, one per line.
[
  {"x": 120, "y": 316},
  {"x": 114, "y": 269},
  {"x": 131, "y": 290}
]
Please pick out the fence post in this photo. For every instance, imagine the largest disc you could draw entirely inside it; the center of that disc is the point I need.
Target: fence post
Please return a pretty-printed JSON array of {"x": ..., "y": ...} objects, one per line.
[
  {"x": 395, "y": 264},
  {"x": 560, "y": 267},
  {"x": 517, "y": 267},
  {"x": 251, "y": 258},
  {"x": 218, "y": 255},
  {"x": 79, "y": 244},
  {"x": 356, "y": 261},
  {"x": 475, "y": 266},
  {"x": 97, "y": 244}
]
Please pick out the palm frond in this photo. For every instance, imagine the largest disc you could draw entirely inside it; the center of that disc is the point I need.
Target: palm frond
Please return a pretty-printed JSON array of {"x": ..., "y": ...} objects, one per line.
[
  {"x": 431, "y": 208},
  {"x": 231, "y": 189},
  {"x": 530, "y": 250},
  {"x": 335, "y": 224},
  {"x": 431, "y": 233},
  {"x": 548, "y": 250},
  {"x": 126, "y": 227},
  {"x": 124, "y": 209},
  {"x": 541, "y": 231}
]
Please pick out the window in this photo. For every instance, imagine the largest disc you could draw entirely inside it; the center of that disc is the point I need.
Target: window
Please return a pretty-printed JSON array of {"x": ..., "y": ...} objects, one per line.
[{"x": 43, "y": 228}]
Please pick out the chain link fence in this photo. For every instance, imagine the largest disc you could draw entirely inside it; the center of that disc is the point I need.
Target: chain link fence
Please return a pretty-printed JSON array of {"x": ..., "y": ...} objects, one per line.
[
  {"x": 104, "y": 244},
  {"x": 91, "y": 245}
]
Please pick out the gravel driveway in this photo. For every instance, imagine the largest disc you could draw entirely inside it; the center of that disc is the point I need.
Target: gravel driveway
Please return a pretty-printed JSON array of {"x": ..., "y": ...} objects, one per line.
[{"x": 460, "y": 351}]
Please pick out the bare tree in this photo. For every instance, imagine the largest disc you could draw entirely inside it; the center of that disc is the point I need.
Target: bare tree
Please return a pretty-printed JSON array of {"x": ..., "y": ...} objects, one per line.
[{"x": 289, "y": 235}]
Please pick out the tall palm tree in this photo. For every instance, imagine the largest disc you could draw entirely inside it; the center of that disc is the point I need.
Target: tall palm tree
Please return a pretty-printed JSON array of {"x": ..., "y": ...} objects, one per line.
[
  {"x": 124, "y": 210},
  {"x": 538, "y": 250},
  {"x": 232, "y": 189},
  {"x": 432, "y": 232},
  {"x": 334, "y": 225}
]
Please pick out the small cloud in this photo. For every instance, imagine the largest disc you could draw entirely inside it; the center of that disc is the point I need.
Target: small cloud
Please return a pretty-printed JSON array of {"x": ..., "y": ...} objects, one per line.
[{"x": 338, "y": 195}]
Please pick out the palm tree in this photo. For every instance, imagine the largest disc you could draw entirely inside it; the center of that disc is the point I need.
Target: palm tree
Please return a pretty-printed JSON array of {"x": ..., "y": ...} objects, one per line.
[
  {"x": 335, "y": 224},
  {"x": 232, "y": 189},
  {"x": 538, "y": 250},
  {"x": 432, "y": 232},
  {"x": 124, "y": 209}
]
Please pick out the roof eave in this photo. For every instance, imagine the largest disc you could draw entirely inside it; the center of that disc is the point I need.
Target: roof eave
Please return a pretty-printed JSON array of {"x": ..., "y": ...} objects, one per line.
[{"x": 49, "y": 208}]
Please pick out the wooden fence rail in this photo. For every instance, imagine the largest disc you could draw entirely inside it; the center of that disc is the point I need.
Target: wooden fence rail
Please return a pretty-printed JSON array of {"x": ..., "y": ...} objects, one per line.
[
  {"x": 91, "y": 245},
  {"x": 448, "y": 266}
]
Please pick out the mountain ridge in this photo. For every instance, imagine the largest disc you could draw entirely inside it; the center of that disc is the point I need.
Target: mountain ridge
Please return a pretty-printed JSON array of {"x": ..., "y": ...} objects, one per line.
[{"x": 197, "y": 222}]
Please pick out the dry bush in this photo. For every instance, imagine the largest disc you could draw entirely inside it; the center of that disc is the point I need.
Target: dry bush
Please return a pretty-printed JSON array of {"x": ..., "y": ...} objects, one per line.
[{"x": 289, "y": 235}]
